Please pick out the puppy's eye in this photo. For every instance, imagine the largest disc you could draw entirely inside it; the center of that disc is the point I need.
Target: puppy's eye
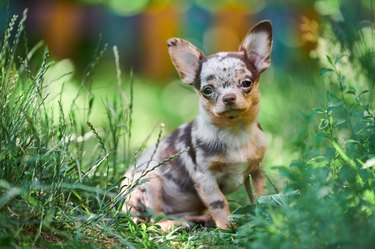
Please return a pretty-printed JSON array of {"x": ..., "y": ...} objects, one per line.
[
  {"x": 207, "y": 90},
  {"x": 246, "y": 83}
]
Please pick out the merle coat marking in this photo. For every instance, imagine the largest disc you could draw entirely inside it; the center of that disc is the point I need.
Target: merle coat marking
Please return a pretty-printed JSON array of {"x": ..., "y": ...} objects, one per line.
[{"x": 226, "y": 142}]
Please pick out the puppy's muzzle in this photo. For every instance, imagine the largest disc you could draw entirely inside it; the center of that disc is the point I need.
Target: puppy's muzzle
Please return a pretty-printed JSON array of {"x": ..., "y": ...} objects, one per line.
[{"x": 229, "y": 99}]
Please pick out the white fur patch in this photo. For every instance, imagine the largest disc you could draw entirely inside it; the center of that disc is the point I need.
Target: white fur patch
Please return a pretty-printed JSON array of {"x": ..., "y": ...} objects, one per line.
[
  {"x": 222, "y": 54},
  {"x": 243, "y": 143},
  {"x": 221, "y": 67}
]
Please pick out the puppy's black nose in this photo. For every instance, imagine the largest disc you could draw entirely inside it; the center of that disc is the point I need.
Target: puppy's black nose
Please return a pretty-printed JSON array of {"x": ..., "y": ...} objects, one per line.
[{"x": 229, "y": 98}]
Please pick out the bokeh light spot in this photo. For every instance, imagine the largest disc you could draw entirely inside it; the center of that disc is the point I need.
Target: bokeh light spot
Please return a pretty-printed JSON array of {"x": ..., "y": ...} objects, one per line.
[
  {"x": 179, "y": 101},
  {"x": 220, "y": 39},
  {"x": 128, "y": 7}
]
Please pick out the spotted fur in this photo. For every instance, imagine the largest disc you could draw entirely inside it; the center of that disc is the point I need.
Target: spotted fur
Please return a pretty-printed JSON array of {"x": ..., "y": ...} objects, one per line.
[{"x": 226, "y": 143}]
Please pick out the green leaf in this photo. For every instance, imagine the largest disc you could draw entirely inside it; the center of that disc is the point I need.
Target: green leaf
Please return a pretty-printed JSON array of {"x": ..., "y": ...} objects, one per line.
[
  {"x": 249, "y": 209},
  {"x": 369, "y": 163},
  {"x": 7, "y": 196},
  {"x": 335, "y": 104},
  {"x": 323, "y": 124},
  {"x": 342, "y": 78},
  {"x": 331, "y": 96},
  {"x": 329, "y": 59},
  {"x": 343, "y": 155},
  {"x": 338, "y": 58},
  {"x": 323, "y": 71},
  {"x": 280, "y": 200},
  {"x": 351, "y": 91},
  {"x": 363, "y": 92},
  {"x": 339, "y": 122},
  {"x": 319, "y": 110},
  {"x": 352, "y": 141},
  {"x": 369, "y": 196}
]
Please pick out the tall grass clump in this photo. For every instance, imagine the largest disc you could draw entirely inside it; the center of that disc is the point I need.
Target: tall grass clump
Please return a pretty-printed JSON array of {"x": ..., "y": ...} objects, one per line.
[{"x": 59, "y": 174}]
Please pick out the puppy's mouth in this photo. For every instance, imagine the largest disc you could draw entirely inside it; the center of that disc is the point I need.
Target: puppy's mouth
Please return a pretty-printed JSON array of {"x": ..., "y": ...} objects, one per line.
[{"x": 232, "y": 113}]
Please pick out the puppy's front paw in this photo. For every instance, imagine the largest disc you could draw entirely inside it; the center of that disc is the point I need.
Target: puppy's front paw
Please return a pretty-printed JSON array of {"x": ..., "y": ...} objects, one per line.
[
  {"x": 223, "y": 224},
  {"x": 167, "y": 225}
]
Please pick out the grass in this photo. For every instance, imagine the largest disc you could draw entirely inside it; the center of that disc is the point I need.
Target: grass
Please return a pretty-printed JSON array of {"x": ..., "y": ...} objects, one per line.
[{"x": 62, "y": 157}]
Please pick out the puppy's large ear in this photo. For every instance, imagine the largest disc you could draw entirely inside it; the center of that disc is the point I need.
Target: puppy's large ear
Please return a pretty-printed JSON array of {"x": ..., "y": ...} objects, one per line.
[
  {"x": 257, "y": 45},
  {"x": 186, "y": 58}
]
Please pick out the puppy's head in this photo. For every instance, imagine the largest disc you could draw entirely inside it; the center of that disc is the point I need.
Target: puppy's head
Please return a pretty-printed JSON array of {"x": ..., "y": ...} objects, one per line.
[{"x": 227, "y": 82}]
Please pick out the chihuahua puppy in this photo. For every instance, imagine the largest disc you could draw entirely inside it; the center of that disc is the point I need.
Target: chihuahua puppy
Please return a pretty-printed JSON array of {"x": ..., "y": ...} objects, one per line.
[{"x": 225, "y": 142}]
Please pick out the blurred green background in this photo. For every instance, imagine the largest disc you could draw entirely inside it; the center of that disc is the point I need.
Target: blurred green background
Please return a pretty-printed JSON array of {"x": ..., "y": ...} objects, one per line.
[{"x": 76, "y": 31}]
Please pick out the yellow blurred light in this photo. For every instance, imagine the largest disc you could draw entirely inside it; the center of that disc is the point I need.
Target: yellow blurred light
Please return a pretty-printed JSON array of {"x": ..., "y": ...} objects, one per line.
[
  {"x": 309, "y": 29},
  {"x": 220, "y": 39},
  {"x": 253, "y": 6}
]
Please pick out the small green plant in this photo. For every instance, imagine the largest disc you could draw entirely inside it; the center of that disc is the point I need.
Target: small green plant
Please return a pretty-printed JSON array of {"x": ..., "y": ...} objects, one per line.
[{"x": 335, "y": 207}]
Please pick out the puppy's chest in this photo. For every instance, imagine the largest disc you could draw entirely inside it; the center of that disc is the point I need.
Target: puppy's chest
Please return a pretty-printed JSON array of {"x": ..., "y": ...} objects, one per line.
[
  {"x": 228, "y": 176},
  {"x": 230, "y": 166}
]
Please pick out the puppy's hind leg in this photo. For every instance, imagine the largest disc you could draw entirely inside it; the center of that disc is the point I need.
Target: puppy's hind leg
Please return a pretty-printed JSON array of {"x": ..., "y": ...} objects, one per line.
[
  {"x": 147, "y": 199},
  {"x": 154, "y": 194},
  {"x": 144, "y": 197},
  {"x": 154, "y": 201}
]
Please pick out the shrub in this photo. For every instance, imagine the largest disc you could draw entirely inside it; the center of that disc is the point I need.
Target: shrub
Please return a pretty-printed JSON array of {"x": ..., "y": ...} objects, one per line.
[{"x": 335, "y": 178}]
